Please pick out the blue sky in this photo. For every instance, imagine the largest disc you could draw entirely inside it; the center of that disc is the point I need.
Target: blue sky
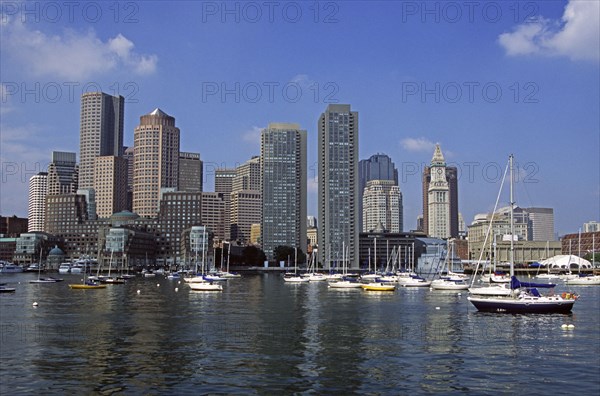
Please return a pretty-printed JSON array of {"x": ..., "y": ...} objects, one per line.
[{"x": 484, "y": 80}]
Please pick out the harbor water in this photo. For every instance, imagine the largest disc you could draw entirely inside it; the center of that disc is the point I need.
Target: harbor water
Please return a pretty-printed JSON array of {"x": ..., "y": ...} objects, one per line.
[{"x": 261, "y": 335}]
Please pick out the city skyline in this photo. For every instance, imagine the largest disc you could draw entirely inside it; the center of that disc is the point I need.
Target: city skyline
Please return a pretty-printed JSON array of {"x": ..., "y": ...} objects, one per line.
[{"x": 407, "y": 101}]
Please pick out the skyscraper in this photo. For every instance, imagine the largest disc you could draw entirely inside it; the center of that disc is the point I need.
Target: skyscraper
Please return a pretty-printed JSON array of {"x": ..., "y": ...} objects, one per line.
[
  {"x": 128, "y": 155},
  {"x": 542, "y": 223},
  {"x": 190, "y": 172},
  {"x": 110, "y": 185},
  {"x": 338, "y": 185},
  {"x": 38, "y": 189},
  {"x": 283, "y": 169},
  {"x": 63, "y": 173},
  {"x": 223, "y": 182},
  {"x": 377, "y": 167},
  {"x": 155, "y": 160},
  {"x": 438, "y": 197},
  {"x": 101, "y": 132},
  {"x": 246, "y": 202},
  {"x": 451, "y": 178},
  {"x": 382, "y": 202}
]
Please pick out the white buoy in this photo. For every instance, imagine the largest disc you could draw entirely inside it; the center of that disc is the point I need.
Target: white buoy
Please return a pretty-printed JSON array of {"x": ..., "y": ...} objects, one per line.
[
  {"x": 459, "y": 294},
  {"x": 437, "y": 307},
  {"x": 35, "y": 304},
  {"x": 179, "y": 282},
  {"x": 138, "y": 292},
  {"x": 158, "y": 285},
  {"x": 176, "y": 289},
  {"x": 564, "y": 326},
  {"x": 571, "y": 326}
]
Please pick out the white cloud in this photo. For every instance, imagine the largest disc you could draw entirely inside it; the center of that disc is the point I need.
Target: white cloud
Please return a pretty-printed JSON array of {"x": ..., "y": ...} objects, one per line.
[
  {"x": 417, "y": 144},
  {"x": 72, "y": 55},
  {"x": 252, "y": 135},
  {"x": 577, "y": 36}
]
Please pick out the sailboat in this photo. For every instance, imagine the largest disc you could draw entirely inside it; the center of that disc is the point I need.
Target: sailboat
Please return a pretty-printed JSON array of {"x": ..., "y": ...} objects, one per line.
[
  {"x": 295, "y": 278},
  {"x": 199, "y": 283},
  {"x": 345, "y": 282},
  {"x": 450, "y": 281},
  {"x": 226, "y": 274},
  {"x": 524, "y": 297},
  {"x": 109, "y": 279},
  {"x": 44, "y": 280}
]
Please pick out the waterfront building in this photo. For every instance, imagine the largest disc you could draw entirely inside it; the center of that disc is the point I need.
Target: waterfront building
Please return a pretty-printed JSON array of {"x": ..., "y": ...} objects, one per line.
[
  {"x": 382, "y": 249},
  {"x": 223, "y": 185},
  {"x": 213, "y": 214},
  {"x": 580, "y": 243},
  {"x": 190, "y": 172},
  {"x": 542, "y": 223},
  {"x": 246, "y": 209},
  {"x": 101, "y": 132},
  {"x": 36, "y": 208},
  {"x": 440, "y": 195},
  {"x": 501, "y": 228},
  {"x": 338, "y": 195},
  {"x": 283, "y": 168},
  {"x": 110, "y": 185},
  {"x": 377, "y": 167},
  {"x": 12, "y": 226},
  {"x": 155, "y": 161},
  {"x": 382, "y": 203},
  {"x": 63, "y": 173}
]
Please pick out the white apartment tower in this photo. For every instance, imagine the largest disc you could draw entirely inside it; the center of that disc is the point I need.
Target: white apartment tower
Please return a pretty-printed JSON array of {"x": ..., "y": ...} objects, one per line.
[
  {"x": 382, "y": 203},
  {"x": 38, "y": 189}
]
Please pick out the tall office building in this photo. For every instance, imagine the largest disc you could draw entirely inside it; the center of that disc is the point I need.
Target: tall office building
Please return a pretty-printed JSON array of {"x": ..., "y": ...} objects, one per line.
[
  {"x": 438, "y": 197},
  {"x": 377, "y": 167},
  {"x": 338, "y": 185},
  {"x": 101, "y": 132},
  {"x": 247, "y": 175},
  {"x": 382, "y": 202},
  {"x": 110, "y": 185},
  {"x": 542, "y": 223},
  {"x": 155, "y": 160},
  {"x": 36, "y": 210},
  {"x": 190, "y": 172},
  {"x": 223, "y": 182},
  {"x": 213, "y": 213},
  {"x": 128, "y": 155},
  {"x": 63, "y": 173},
  {"x": 283, "y": 169},
  {"x": 450, "y": 176}
]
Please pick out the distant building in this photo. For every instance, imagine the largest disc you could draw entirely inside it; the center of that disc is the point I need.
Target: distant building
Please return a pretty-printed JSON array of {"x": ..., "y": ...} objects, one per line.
[
  {"x": 223, "y": 185},
  {"x": 444, "y": 193},
  {"x": 338, "y": 195},
  {"x": 542, "y": 223},
  {"x": 63, "y": 173},
  {"x": 155, "y": 161},
  {"x": 190, "y": 172},
  {"x": 247, "y": 176},
  {"x": 101, "y": 132},
  {"x": 36, "y": 211},
  {"x": 246, "y": 209},
  {"x": 110, "y": 185},
  {"x": 63, "y": 210},
  {"x": 382, "y": 202},
  {"x": 378, "y": 248},
  {"x": 311, "y": 222},
  {"x": 377, "y": 167},
  {"x": 128, "y": 155},
  {"x": 501, "y": 228},
  {"x": 591, "y": 226},
  {"x": 12, "y": 226},
  {"x": 213, "y": 214},
  {"x": 283, "y": 169},
  {"x": 580, "y": 244}
]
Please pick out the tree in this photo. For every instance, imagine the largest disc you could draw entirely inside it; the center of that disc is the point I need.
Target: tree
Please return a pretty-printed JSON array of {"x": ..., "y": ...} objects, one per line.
[
  {"x": 282, "y": 253},
  {"x": 253, "y": 256}
]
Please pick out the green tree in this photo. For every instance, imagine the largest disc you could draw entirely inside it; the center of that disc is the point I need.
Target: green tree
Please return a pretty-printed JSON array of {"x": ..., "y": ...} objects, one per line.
[
  {"x": 282, "y": 253},
  {"x": 253, "y": 256}
]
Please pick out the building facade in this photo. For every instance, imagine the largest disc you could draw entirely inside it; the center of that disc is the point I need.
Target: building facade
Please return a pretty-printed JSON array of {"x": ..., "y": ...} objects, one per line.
[
  {"x": 246, "y": 209},
  {"x": 213, "y": 214},
  {"x": 382, "y": 202},
  {"x": 223, "y": 185},
  {"x": 283, "y": 168},
  {"x": 377, "y": 167},
  {"x": 190, "y": 172},
  {"x": 101, "y": 132},
  {"x": 438, "y": 198},
  {"x": 542, "y": 224},
  {"x": 110, "y": 185},
  {"x": 63, "y": 173},
  {"x": 36, "y": 205},
  {"x": 338, "y": 197},
  {"x": 155, "y": 161}
]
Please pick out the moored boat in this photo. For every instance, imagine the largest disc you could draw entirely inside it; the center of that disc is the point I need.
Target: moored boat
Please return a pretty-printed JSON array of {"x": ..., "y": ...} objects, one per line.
[{"x": 378, "y": 286}]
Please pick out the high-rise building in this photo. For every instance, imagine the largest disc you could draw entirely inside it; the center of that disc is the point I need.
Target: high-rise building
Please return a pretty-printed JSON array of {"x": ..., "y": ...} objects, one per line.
[
  {"x": 542, "y": 223},
  {"x": 110, "y": 185},
  {"x": 128, "y": 155},
  {"x": 311, "y": 222},
  {"x": 101, "y": 132},
  {"x": 451, "y": 179},
  {"x": 438, "y": 198},
  {"x": 155, "y": 160},
  {"x": 382, "y": 202},
  {"x": 38, "y": 189},
  {"x": 338, "y": 185},
  {"x": 377, "y": 167},
  {"x": 246, "y": 209},
  {"x": 63, "y": 211},
  {"x": 283, "y": 168},
  {"x": 247, "y": 175},
  {"x": 223, "y": 182},
  {"x": 63, "y": 173},
  {"x": 190, "y": 172},
  {"x": 178, "y": 211},
  {"x": 213, "y": 213}
]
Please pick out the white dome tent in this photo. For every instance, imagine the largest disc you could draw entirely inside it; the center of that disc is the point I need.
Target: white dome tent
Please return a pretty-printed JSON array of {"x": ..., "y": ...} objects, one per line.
[{"x": 566, "y": 262}]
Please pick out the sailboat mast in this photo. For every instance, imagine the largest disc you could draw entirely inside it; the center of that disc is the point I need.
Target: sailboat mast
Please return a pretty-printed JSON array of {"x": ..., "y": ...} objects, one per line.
[{"x": 512, "y": 223}]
